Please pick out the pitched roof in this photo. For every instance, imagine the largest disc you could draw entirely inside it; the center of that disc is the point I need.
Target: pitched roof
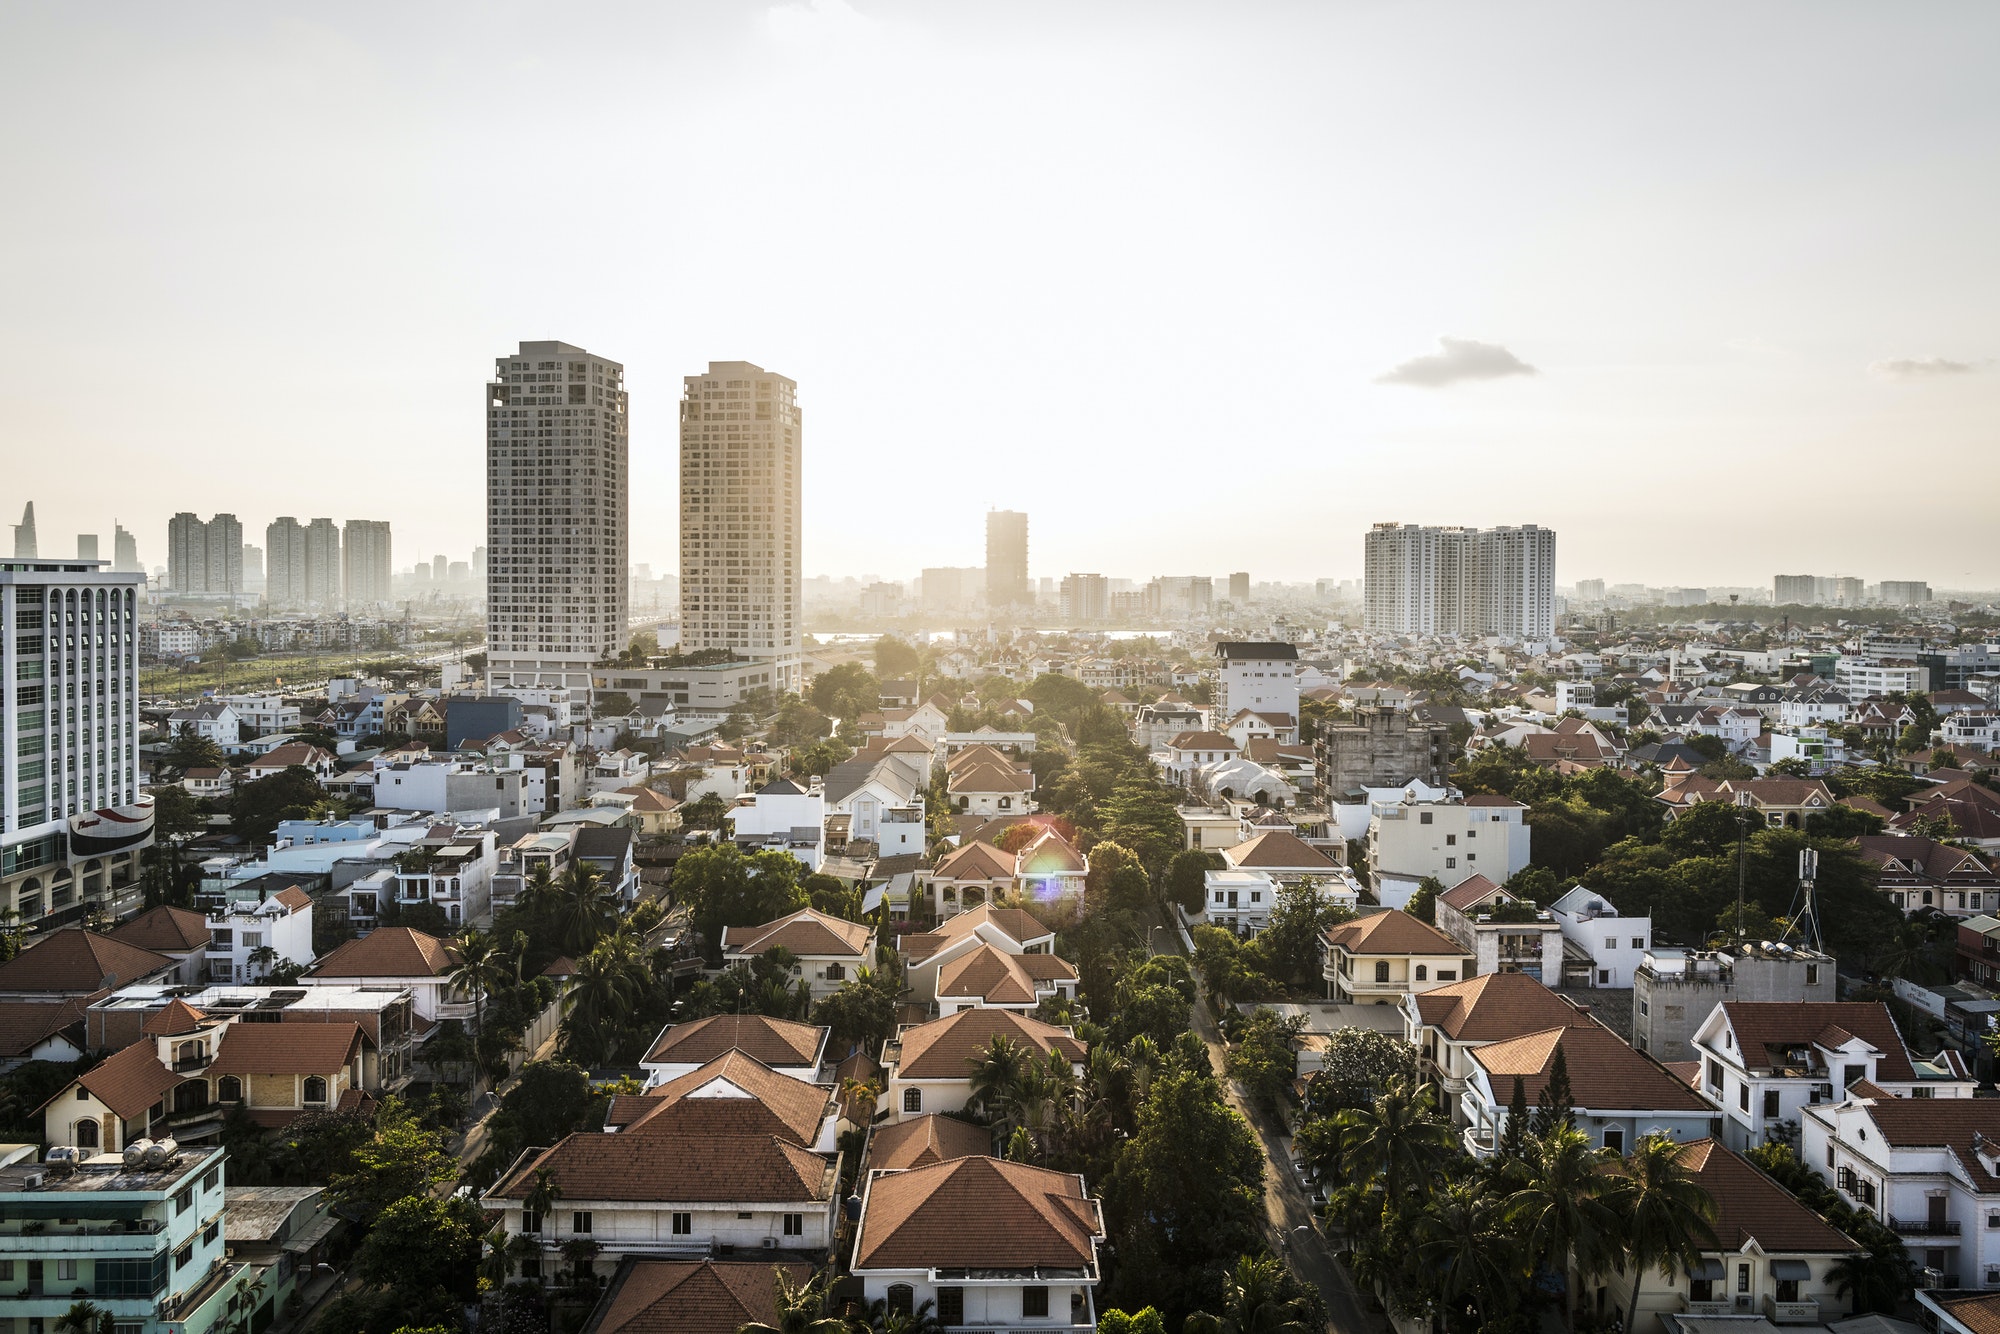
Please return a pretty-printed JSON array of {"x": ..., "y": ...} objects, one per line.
[
  {"x": 1279, "y": 849},
  {"x": 736, "y": 1091},
  {"x": 1049, "y": 854},
  {"x": 1392, "y": 932},
  {"x": 806, "y": 933},
  {"x": 989, "y": 776},
  {"x": 74, "y": 960},
  {"x": 772, "y": 1041},
  {"x": 1951, "y": 1122},
  {"x": 1494, "y": 1007},
  {"x": 974, "y": 861},
  {"x": 1018, "y": 925},
  {"x": 293, "y": 897},
  {"x": 285, "y": 1049},
  {"x": 1763, "y": 1025},
  {"x": 925, "y": 1139},
  {"x": 945, "y": 1048},
  {"x": 999, "y": 978},
  {"x": 1469, "y": 892},
  {"x": 129, "y": 1081},
  {"x": 25, "y": 1024},
  {"x": 652, "y": 1296},
  {"x": 977, "y": 1213},
  {"x": 1604, "y": 1071},
  {"x": 1749, "y": 1204},
  {"x": 173, "y": 1019},
  {"x": 711, "y": 1163},
  {"x": 1203, "y": 741},
  {"x": 390, "y": 951},
  {"x": 163, "y": 930}
]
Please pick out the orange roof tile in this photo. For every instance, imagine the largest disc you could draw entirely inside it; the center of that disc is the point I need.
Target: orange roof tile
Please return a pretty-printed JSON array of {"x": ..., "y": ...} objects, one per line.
[
  {"x": 1749, "y": 1204},
  {"x": 285, "y": 1049},
  {"x": 945, "y": 1048},
  {"x": 977, "y": 1213},
  {"x": 807, "y": 933},
  {"x": 163, "y": 930},
  {"x": 390, "y": 951},
  {"x": 653, "y": 1296},
  {"x": 773, "y": 1041},
  {"x": 930, "y": 1138},
  {"x": 1604, "y": 1072},
  {"x": 1393, "y": 932},
  {"x": 1496, "y": 1006},
  {"x": 76, "y": 961},
  {"x": 173, "y": 1019}
]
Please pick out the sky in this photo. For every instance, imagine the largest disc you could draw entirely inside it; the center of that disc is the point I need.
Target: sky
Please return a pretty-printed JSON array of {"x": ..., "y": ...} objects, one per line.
[{"x": 1709, "y": 288}]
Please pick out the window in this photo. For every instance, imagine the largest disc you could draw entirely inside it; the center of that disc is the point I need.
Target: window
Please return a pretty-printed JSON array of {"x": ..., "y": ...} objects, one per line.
[
  {"x": 1743, "y": 1098},
  {"x": 183, "y": 1200},
  {"x": 315, "y": 1088},
  {"x": 530, "y": 1221},
  {"x": 211, "y": 1178},
  {"x": 1770, "y": 1104},
  {"x": 835, "y": 972},
  {"x": 183, "y": 1255},
  {"x": 1451, "y": 863},
  {"x": 901, "y": 1299},
  {"x": 66, "y": 1271},
  {"x": 1614, "y": 1138},
  {"x": 210, "y": 1233},
  {"x": 1638, "y": 944},
  {"x": 1743, "y": 1278},
  {"x": 1451, "y": 840},
  {"x": 1447, "y": 974},
  {"x": 913, "y": 1100},
  {"x": 1611, "y": 942},
  {"x": 683, "y": 1225},
  {"x": 86, "y": 1134},
  {"x": 1034, "y": 1301},
  {"x": 951, "y": 1306},
  {"x": 579, "y": 1222},
  {"x": 1423, "y": 971},
  {"x": 795, "y": 1225},
  {"x": 1701, "y": 1290},
  {"x": 1423, "y": 817},
  {"x": 1993, "y": 1219},
  {"x": 1381, "y": 970},
  {"x": 1604, "y": 977},
  {"x": 229, "y": 1089},
  {"x": 1829, "y": 1155},
  {"x": 1812, "y": 974}
]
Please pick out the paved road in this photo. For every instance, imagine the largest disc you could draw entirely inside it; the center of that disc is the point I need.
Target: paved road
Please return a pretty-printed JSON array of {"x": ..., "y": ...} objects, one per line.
[{"x": 1286, "y": 1208}]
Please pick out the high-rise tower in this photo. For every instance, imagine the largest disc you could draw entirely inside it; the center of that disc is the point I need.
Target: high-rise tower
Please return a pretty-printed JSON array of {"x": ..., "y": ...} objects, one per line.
[
  {"x": 556, "y": 516},
  {"x": 1460, "y": 581},
  {"x": 322, "y": 540},
  {"x": 24, "y": 534},
  {"x": 1007, "y": 560},
  {"x": 365, "y": 561},
  {"x": 285, "y": 562},
  {"x": 740, "y": 515}
]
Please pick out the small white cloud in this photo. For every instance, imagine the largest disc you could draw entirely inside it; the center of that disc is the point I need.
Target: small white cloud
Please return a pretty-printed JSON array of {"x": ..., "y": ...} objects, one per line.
[
  {"x": 807, "y": 20},
  {"x": 1459, "y": 359},
  {"x": 1923, "y": 368}
]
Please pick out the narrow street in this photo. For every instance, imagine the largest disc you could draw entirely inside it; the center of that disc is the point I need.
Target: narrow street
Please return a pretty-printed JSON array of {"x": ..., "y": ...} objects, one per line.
[{"x": 1286, "y": 1208}]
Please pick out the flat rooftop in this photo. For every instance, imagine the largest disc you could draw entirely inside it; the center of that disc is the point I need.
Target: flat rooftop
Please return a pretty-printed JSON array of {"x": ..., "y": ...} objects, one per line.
[
  {"x": 106, "y": 1173},
  {"x": 224, "y": 998}
]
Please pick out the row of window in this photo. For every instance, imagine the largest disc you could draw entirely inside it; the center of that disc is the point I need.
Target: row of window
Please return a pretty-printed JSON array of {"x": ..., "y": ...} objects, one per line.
[{"x": 582, "y": 1224}]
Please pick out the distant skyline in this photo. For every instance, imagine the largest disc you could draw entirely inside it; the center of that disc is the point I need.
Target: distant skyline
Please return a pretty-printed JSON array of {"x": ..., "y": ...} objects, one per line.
[{"x": 1706, "y": 290}]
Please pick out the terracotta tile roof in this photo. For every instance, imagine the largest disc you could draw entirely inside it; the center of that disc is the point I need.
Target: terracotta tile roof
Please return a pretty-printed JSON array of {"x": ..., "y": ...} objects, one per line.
[
  {"x": 1494, "y": 1007},
  {"x": 1279, "y": 850},
  {"x": 930, "y": 1138},
  {"x": 1469, "y": 892},
  {"x": 285, "y": 1049},
  {"x": 1604, "y": 1072},
  {"x": 1973, "y": 811},
  {"x": 1976, "y": 1311},
  {"x": 945, "y": 1048},
  {"x": 710, "y": 1163},
  {"x": 390, "y": 951},
  {"x": 1049, "y": 854},
  {"x": 977, "y": 1213},
  {"x": 173, "y": 1019},
  {"x": 129, "y": 1081},
  {"x": 990, "y": 777},
  {"x": 974, "y": 861},
  {"x": 652, "y": 1296},
  {"x": 24, "y": 1024},
  {"x": 977, "y": 754},
  {"x": 1392, "y": 932},
  {"x": 1781, "y": 791},
  {"x": 1762, "y": 1025},
  {"x": 736, "y": 1092},
  {"x": 1952, "y": 1123},
  {"x": 1749, "y": 1204},
  {"x": 999, "y": 978},
  {"x": 294, "y": 898},
  {"x": 1203, "y": 741},
  {"x": 1869, "y": 805},
  {"x": 163, "y": 930},
  {"x": 74, "y": 961},
  {"x": 807, "y": 933},
  {"x": 772, "y": 1041},
  {"x": 1019, "y": 925}
]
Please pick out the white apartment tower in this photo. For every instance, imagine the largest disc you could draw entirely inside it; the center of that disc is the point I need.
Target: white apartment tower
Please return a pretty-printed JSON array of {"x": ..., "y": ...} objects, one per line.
[
  {"x": 740, "y": 516},
  {"x": 1460, "y": 581},
  {"x": 72, "y": 820},
  {"x": 557, "y": 501}
]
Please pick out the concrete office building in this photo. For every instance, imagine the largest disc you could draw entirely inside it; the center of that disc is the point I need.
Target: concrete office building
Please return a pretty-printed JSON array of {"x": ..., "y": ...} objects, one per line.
[
  {"x": 124, "y": 550},
  {"x": 365, "y": 558},
  {"x": 557, "y": 514},
  {"x": 1460, "y": 581},
  {"x": 741, "y": 499},
  {"x": 1007, "y": 560},
  {"x": 71, "y": 817}
]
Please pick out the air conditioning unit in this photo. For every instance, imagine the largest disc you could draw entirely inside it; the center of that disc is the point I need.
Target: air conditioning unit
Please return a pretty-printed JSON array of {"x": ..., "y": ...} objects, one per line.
[
  {"x": 770, "y": 1243},
  {"x": 1742, "y": 1301}
]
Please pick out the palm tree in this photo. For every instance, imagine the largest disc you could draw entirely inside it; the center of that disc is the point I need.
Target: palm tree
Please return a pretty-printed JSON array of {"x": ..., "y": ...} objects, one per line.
[
  {"x": 1668, "y": 1217},
  {"x": 587, "y": 908},
  {"x": 85, "y": 1318},
  {"x": 996, "y": 1074},
  {"x": 1395, "y": 1140},
  {"x": 920, "y": 1321},
  {"x": 1565, "y": 1210},
  {"x": 800, "y": 1308},
  {"x": 538, "y": 894},
  {"x": 499, "y": 1247},
  {"x": 481, "y": 968},
  {"x": 600, "y": 997},
  {"x": 1251, "y": 1304},
  {"x": 1464, "y": 1248},
  {"x": 262, "y": 958}
]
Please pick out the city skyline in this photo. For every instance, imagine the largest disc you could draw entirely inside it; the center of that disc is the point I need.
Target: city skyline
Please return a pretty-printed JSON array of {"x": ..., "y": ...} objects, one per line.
[{"x": 1391, "y": 284}]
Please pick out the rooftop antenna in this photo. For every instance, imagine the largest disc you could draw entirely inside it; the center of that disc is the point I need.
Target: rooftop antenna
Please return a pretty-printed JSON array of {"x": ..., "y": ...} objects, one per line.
[{"x": 1807, "y": 924}]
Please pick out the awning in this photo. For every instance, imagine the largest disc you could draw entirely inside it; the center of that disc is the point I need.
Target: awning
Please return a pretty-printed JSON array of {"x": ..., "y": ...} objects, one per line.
[
  {"x": 312, "y": 1234},
  {"x": 1798, "y": 1269},
  {"x": 1708, "y": 1269},
  {"x": 872, "y": 899}
]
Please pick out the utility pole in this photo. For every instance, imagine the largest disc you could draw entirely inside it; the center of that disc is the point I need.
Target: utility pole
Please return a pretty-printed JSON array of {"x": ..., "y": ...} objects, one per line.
[{"x": 1742, "y": 845}]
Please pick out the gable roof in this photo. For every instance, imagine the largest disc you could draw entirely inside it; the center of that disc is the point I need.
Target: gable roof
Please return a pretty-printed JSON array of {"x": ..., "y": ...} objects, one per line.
[
  {"x": 1763, "y": 1025},
  {"x": 925, "y": 1139},
  {"x": 1749, "y": 1204},
  {"x": 989, "y": 776},
  {"x": 76, "y": 961},
  {"x": 390, "y": 951},
  {"x": 1392, "y": 932},
  {"x": 807, "y": 933},
  {"x": 1469, "y": 892},
  {"x": 712, "y": 1163},
  {"x": 26, "y": 1024},
  {"x": 1494, "y": 1007},
  {"x": 653, "y": 1296},
  {"x": 977, "y": 1213},
  {"x": 1203, "y": 741},
  {"x": 974, "y": 861},
  {"x": 999, "y": 978},
  {"x": 945, "y": 1048},
  {"x": 1049, "y": 854},
  {"x": 1953, "y": 1123},
  {"x": 773, "y": 1041},
  {"x": 165, "y": 929},
  {"x": 1605, "y": 1073},
  {"x": 285, "y": 1049},
  {"x": 734, "y": 1089},
  {"x": 1017, "y": 924},
  {"x": 1279, "y": 849},
  {"x": 128, "y": 1081},
  {"x": 173, "y": 1019}
]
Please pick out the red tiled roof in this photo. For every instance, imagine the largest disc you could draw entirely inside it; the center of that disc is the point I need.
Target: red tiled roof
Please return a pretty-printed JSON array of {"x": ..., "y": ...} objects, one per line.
[
  {"x": 1749, "y": 1204},
  {"x": 945, "y": 1048},
  {"x": 1468, "y": 892},
  {"x": 653, "y": 1296},
  {"x": 926, "y": 1139},
  {"x": 773, "y": 1041},
  {"x": 807, "y": 933},
  {"x": 1000, "y": 978},
  {"x": 1604, "y": 1072},
  {"x": 1494, "y": 1007},
  {"x": 390, "y": 951},
  {"x": 974, "y": 861},
  {"x": 26, "y": 1024},
  {"x": 775, "y": 1104},
  {"x": 285, "y": 1049},
  {"x": 977, "y": 1213},
  {"x": 129, "y": 1081},
  {"x": 1392, "y": 932},
  {"x": 173, "y": 1019},
  {"x": 1049, "y": 854},
  {"x": 1279, "y": 849},
  {"x": 163, "y": 930},
  {"x": 76, "y": 961},
  {"x": 1762, "y": 1025}
]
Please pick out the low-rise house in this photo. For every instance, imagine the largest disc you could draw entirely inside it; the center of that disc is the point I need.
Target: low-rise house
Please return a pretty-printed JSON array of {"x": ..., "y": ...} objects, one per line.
[
  {"x": 973, "y": 874},
  {"x": 295, "y": 755},
  {"x": 1973, "y": 810},
  {"x": 1618, "y": 1094},
  {"x": 930, "y": 1064},
  {"x": 1616, "y": 944},
  {"x": 1959, "y": 1312},
  {"x": 659, "y": 815},
  {"x": 401, "y": 957},
  {"x": 826, "y": 951},
  {"x": 286, "y": 1231},
  {"x": 1284, "y": 856},
  {"x": 1385, "y": 957},
  {"x": 1927, "y": 1167},
  {"x": 608, "y": 850},
  {"x": 182, "y": 934},
  {"x": 1778, "y": 802},
  {"x": 1919, "y": 873},
  {"x": 1763, "y": 1064},
  {"x": 919, "y": 1141},
  {"x": 656, "y": 1296},
  {"x": 1239, "y": 901},
  {"x": 210, "y": 721},
  {"x": 1409, "y": 841},
  {"x": 383, "y": 1014},
  {"x": 1446, "y": 1024},
  {"x": 984, "y": 780},
  {"x": 782, "y": 817},
  {"x": 207, "y": 783},
  {"x": 1156, "y": 725},
  {"x": 883, "y": 798},
  {"x": 50, "y": 1030},
  {"x": 795, "y": 1050},
  {"x": 1049, "y": 871},
  {"x": 76, "y": 962},
  {"x": 250, "y": 934},
  {"x": 983, "y": 1242},
  {"x": 988, "y": 977},
  {"x": 1009, "y": 930},
  {"x": 1503, "y": 932},
  {"x": 1191, "y": 751},
  {"x": 731, "y": 1154}
]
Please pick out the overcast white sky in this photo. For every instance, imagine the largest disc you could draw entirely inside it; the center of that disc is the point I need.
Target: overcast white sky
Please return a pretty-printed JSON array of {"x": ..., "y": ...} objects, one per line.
[{"x": 1139, "y": 269}]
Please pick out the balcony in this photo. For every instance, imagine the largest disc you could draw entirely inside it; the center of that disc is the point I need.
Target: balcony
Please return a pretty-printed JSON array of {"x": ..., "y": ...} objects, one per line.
[
  {"x": 1925, "y": 1227},
  {"x": 1708, "y": 1310},
  {"x": 1791, "y": 1313}
]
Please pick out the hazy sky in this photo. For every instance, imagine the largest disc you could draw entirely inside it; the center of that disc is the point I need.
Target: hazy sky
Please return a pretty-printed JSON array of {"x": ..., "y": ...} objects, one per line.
[{"x": 1716, "y": 283}]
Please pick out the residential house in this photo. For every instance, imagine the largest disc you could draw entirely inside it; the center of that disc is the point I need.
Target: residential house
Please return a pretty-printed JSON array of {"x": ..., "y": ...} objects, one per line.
[
  {"x": 1155, "y": 725},
  {"x": 826, "y": 951},
  {"x": 1010, "y": 930},
  {"x": 883, "y": 798},
  {"x": 250, "y": 934},
  {"x": 782, "y": 817},
  {"x": 609, "y": 851},
  {"x": 1674, "y": 990},
  {"x": 1619, "y": 1095},
  {"x": 400, "y": 956},
  {"x": 1446, "y": 1024},
  {"x": 659, "y": 815},
  {"x": 1812, "y": 706},
  {"x": 295, "y": 755},
  {"x": 983, "y": 1243},
  {"x": 1777, "y": 802},
  {"x": 1248, "y": 725},
  {"x": 181, "y": 934},
  {"x": 1958, "y": 1312},
  {"x": 1504, "y": 933},
  {"x": 76, "y": 962},
  {"x": 46, "y": 1030},
  {"x": 208, "y": 784},
  {"x": 919, "y": 1141},
  {"x": 649, "y": 1295},
  {"x": 1592, "y": 924},
  {"x": 1922, "y": 873},
  {"x": 1191, "y": 751},
  {"x": 1409, "y": 841},
  {"x": 971, "y": 875},
  {"x": 210, "y": 721},
  {"x": 1050, "y": 871},
  {"x": 1973, "y": 811},
  {"x": 1384, "y": 957},
  {"x": 930, "y": 1064},
  {"x": 988, "y": 977},
  {"x": 983, "y": 780},
  {"x": 1762, "y": 1064},
  {"x": 797, "y": 1051}
]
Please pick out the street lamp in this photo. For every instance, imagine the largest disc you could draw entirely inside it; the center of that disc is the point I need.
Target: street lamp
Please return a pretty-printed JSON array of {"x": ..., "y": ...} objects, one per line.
[{"x": 1150, "y": 951}]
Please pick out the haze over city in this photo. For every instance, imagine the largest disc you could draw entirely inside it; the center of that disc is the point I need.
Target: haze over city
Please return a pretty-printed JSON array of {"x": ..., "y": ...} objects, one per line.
[{"x": 1706, "y": 290}]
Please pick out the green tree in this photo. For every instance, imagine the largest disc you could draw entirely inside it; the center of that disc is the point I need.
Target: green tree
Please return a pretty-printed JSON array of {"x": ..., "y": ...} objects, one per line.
[
  {"x": 1253, "y": 1302},
  {"x": 1145, "y": 1320},
  {"x": 420, "y": 1243},
  {"x": 1263, "y": 1059},
  {"x": 1669, "y": 1220},
  {"x": 188, "y": 750},
  {"x": 1556, "y": 1108},
  {"x": 1566, "y": 1208},
  {"x": 587, "y": 908},
  {"x": 846, "y": 692},
  {"x": 256, "y": 808},
  {"x": 862, "y": 1011},
  {"x": 705, "y": 812},
  {"x": 1117, "y": 879},
  {"x": 85, "y": 1318},
  {"x": 895, "y": 659},
  {"x": 1423, "y": 901},
  {"x": 1358, "y": 1064},
  {"x": 1469, "y": 1255},
  {"x": 722, "y": 887},
  {"x": 1398, "y": 1140},
  {"x": 1186, "y": 882},
  {"x": 402, "y": 1159}
]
